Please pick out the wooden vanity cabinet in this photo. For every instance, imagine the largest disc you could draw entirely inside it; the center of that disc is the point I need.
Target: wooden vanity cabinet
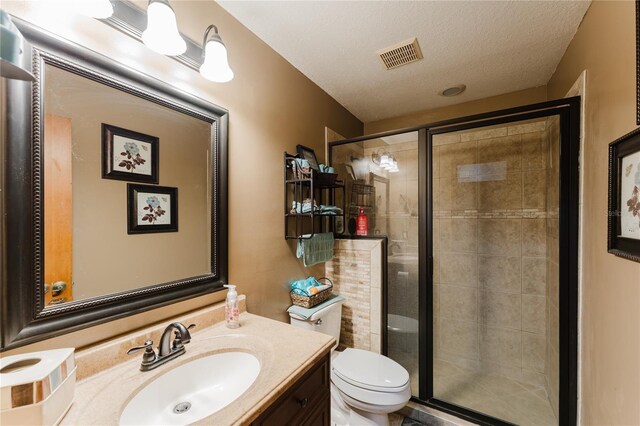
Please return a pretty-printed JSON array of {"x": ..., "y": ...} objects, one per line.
[{"x": 307, "y": 402}]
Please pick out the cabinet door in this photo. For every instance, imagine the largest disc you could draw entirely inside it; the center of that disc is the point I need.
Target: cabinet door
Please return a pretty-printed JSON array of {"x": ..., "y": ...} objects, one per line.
[
  {"x": 321, "y": 415},
  {"x": 301, "y": 399}
]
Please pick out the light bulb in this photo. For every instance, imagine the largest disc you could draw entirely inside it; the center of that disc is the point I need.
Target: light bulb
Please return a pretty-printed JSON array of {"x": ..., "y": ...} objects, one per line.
[
  {"x": 162, "y": 34},
  {"x": 99, "y": 9},
  {"x": 385, "y": 161},
  {"x": 215, "y": 66}
]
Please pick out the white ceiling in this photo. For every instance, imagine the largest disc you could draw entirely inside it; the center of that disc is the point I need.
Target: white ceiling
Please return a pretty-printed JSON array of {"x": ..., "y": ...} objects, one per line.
[{"x": 493, "y": 47}]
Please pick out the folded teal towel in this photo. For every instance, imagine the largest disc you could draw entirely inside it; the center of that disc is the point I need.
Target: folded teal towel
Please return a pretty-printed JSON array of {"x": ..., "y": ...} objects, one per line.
[
  {"x": 303, "y": 287},
  {"x": 325, "y": 169},
  {"x": 330, "y": 209},
  {"x": 317, "y": 249},
  {"x": 305, "y": 313}
]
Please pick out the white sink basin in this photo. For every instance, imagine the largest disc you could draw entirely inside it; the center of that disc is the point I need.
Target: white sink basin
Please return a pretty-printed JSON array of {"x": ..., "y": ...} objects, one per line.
[{"x": 193, "y": 390}]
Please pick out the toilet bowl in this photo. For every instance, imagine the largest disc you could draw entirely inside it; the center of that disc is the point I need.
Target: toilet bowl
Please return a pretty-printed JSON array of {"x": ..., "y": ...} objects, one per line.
[{"x": 365, "y": 386}]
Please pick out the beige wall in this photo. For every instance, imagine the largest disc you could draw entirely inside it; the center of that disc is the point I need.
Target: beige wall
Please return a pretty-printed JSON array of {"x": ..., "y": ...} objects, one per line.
[
  {"x": 272, "y": 108},
  {"x": 610, "y": 380},
  {"x": 508, "y": 100}
]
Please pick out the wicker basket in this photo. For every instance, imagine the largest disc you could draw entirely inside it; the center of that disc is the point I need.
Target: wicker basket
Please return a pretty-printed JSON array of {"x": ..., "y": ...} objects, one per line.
[{"x": 311, "y": 301}]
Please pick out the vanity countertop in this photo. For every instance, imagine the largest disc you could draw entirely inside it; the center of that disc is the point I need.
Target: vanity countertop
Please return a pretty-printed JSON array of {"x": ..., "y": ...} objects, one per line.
[{"x": 285, "y": 354}]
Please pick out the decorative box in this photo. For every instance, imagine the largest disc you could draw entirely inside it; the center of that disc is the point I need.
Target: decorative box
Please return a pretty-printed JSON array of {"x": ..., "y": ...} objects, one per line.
[{"x": 37, "y": 388}]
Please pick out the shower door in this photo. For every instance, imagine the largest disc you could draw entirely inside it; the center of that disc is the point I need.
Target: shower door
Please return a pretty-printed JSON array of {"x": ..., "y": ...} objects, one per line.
[
  {"x": 480, "y": 216},
  {"x": 500, "y": 233}
]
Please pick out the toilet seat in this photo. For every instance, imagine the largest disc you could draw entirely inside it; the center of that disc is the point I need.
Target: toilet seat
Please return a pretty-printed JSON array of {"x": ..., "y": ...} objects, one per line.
[
  {"x": 371, "y": 400},
  {"x": 370, "y": 371}
]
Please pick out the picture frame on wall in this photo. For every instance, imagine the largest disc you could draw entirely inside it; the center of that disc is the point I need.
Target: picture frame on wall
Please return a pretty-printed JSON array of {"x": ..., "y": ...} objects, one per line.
[
  {"x": 637, "y": 63},
  {"x": 151, "y": 209},
  {"x": 624, "y": 196},
  {"x": 309, "y": 155},
  {"x": 129, "y": 155}
]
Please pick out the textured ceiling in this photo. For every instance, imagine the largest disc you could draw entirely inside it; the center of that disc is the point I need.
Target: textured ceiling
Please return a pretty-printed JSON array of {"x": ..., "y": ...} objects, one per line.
[{"x": 492, "y": 47}]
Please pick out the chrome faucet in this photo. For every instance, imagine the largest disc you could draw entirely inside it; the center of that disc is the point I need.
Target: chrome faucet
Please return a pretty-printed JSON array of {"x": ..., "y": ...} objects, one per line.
[{"x": 166, "y": 350}]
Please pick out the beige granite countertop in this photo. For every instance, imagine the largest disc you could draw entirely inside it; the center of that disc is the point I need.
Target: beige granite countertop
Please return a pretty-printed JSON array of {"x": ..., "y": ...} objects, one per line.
[{"x": 285, "y": 354}]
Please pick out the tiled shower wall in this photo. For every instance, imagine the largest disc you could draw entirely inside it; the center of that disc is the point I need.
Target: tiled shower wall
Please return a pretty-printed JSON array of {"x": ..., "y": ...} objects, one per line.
[
  {"x": 552, "y": 361},
  {"x": 356, "y": 272},
  {"x": 490, "y": 250}
]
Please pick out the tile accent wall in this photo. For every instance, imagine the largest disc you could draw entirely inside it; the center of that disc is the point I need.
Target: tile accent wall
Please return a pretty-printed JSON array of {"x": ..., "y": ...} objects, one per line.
[
  {"x": 552, "y": 361},
  {"x": 356, "y": 272},
  {"x": 490, "y": 250}
]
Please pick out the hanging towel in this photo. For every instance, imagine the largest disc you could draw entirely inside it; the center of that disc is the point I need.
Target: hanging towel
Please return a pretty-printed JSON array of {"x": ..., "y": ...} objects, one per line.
[
  {"x": 305, "y": 313},
  {"x": 317, "y": 249}
]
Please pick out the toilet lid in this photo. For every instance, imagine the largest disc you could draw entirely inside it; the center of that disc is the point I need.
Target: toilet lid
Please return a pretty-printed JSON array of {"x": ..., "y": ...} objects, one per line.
[{"x": 369, "y": 370}]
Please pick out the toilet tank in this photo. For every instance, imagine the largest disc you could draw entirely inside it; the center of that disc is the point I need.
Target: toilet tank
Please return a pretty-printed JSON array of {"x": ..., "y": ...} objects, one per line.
[{"x": 326, "y": 320}]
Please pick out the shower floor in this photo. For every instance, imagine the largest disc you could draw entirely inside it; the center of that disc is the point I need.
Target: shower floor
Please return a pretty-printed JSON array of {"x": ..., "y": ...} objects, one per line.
[
  {"x": 516, "y": 402},
  {"x": 521, "y": 403}
]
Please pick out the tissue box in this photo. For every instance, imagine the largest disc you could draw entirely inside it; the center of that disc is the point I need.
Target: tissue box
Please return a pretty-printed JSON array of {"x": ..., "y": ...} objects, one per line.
[{"x": 37, "y": 388}]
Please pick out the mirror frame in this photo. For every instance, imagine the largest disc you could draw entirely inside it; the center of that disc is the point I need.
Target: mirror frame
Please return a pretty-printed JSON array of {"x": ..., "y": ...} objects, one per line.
[{"x": 24, "y": 318}]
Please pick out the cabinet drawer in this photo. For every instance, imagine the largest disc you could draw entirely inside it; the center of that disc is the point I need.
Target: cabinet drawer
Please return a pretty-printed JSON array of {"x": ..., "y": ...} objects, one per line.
[{"x": 308, "y": 395}]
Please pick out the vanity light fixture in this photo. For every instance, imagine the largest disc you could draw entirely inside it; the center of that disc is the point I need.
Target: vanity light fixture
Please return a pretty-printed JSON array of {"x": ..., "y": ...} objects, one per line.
[
  {"x": 215, "y": 65},
  {"x": 162, "y": 33},
  {"x": 385, "y": 160},
  {"x": 99, "y": 9}
]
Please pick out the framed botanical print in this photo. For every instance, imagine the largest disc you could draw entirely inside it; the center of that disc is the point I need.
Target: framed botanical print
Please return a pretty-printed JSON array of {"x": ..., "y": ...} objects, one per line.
[
  {"x": 151, "y": 209},
  {"x": 129, "y": 155},
  {"x": 624, "y": 196}
]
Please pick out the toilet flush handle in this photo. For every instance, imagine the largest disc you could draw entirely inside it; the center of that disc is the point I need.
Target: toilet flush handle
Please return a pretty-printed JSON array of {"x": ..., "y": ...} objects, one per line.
[{"x": 318, "y": 322}]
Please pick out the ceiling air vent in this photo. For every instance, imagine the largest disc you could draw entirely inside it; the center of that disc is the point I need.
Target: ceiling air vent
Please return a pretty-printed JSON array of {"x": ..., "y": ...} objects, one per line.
[{"x": 401, "y": 54}]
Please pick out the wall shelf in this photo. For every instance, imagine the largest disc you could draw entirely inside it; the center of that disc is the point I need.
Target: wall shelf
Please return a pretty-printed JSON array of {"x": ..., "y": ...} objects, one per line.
[{"x": 310, "y": 188}]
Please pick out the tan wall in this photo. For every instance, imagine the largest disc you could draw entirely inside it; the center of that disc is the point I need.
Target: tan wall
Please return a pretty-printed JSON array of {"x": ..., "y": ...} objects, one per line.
[
  {"x": 272, "y": 108},
  {"x": 610, "y": 380},
  {"x": 508, "y": 100},
  {"x": 105, "y": 258}
]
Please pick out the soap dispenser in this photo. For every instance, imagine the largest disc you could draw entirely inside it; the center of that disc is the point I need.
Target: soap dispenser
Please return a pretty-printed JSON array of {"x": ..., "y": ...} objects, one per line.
[{"x": 231, "y": 311}]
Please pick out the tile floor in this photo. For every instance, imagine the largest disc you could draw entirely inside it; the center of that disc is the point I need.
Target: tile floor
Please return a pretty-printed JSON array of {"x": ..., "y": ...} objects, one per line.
[
  {"x": 507, "y": 399},
  {"x": 399, "y": 420},
  {"x": 497, "y": 396}
]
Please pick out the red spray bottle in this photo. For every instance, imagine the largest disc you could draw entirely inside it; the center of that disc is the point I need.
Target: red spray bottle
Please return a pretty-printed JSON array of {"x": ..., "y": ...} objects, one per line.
[{"x": 362, "y": 223}]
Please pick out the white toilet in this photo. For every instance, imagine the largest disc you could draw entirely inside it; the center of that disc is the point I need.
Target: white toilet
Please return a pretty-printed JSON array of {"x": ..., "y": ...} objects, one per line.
[{"x": 365, "y": 386}]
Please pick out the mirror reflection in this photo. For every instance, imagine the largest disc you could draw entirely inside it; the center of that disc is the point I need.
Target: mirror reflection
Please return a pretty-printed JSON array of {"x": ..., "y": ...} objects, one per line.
[{"x": 127, "y": 190}]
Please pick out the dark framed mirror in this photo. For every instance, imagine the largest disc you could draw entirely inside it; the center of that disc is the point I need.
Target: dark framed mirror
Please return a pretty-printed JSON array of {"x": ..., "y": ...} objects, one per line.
[{"x": 68, "y": 260}]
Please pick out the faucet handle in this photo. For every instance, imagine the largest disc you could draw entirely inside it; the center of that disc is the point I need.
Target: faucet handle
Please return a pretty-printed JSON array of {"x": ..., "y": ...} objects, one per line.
[
  {"x": 149, "y": 354},
  {"x": 178, "y": 338},
  {"x": 147, "y": 345}
]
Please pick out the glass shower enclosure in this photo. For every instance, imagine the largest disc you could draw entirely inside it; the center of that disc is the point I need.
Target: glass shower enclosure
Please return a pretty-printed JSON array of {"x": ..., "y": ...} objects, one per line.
[{"x": 481, "y": 220}]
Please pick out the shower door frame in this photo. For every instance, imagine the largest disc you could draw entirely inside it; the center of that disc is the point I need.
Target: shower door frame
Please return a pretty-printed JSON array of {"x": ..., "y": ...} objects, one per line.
[{"x": 568, "y": 110}]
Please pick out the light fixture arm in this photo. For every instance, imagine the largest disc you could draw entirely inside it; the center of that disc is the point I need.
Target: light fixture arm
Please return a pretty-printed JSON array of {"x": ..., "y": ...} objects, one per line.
[{"x": 215, "y": 65}]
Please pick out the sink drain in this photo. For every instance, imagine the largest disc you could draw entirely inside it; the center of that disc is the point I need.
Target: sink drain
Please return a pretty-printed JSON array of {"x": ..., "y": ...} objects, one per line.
[{"x": 183, "y": 407}]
